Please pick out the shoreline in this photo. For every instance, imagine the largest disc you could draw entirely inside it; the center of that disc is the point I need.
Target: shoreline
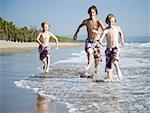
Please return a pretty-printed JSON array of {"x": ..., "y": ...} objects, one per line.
[
  {"x": 25, "y": 100},
  {"x": 11, "y": 47}
]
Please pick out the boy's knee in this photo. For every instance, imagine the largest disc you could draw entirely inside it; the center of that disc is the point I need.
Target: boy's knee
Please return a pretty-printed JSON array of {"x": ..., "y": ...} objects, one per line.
[
  {"x": 114, "y": 61},
  {"x": 90, "y": 51},
  {"x": 109, "y": 72}
]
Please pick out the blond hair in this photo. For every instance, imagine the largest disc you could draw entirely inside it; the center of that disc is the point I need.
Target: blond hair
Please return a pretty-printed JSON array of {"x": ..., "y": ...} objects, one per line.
[
  {"x": 107, "y": 20},
  {"x": 43, "y": 23}
]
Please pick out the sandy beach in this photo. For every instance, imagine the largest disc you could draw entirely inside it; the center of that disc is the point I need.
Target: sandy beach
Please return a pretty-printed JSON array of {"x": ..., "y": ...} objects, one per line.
[{"x": 8, "y": 46}]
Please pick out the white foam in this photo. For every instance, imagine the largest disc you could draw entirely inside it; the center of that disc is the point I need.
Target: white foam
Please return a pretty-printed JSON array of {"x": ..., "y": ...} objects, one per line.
[
  {"x": 138, "y": 44},
  {"x": 24, "y": 84},
  {"x": 75, "y": 58}
]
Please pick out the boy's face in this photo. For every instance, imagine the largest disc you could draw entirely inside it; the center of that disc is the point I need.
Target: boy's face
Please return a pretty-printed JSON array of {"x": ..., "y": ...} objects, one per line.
[
  {"x": 46, "y": 27},
  {"x": 93, "y": 12},
  {"x": 112, "y": 21}
]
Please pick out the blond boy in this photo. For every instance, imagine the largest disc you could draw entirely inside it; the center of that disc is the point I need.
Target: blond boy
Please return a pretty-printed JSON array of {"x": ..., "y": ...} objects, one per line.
[
  {"x": 44, "y": 47},
  {"x": 112, "y": 51}
]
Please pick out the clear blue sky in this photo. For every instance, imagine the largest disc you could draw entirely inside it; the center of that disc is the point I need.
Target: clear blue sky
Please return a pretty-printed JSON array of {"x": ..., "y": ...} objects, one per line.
[{"x": 65, "y": 15}]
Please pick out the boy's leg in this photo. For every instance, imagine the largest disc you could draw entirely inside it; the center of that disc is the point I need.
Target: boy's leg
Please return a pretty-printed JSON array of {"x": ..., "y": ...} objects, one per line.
[
  {"x": 108, "y": 67},
  {"x": 109, "y": 75},
  {"x": 45, "y": 64},
  {"x": 89, "y": 57},
  {"x": 97, "y": 58},
  {"x": 119, "y": 74},
  {"x": 97, "y": 66},
  {"x": 48, "y": 64}
]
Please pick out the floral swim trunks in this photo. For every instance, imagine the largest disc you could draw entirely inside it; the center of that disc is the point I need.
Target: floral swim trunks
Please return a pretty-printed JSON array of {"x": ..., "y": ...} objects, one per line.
[
  {"x": 111, "y": 54},
  {"x": 43, "y": 52},
  {"x": 95, "y": 46}
]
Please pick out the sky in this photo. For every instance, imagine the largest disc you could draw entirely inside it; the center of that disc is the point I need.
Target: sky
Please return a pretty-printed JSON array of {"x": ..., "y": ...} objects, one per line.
[{"x": 65, "y": 15}]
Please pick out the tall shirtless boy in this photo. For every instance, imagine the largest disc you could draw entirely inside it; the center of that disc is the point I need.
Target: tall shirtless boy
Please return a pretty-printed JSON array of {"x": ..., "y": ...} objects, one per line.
[{"x": 94, "y": 27}]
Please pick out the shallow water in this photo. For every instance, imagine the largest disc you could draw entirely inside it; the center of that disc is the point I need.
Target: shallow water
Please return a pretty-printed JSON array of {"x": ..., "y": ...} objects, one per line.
[{"x": 83, "y": 95}]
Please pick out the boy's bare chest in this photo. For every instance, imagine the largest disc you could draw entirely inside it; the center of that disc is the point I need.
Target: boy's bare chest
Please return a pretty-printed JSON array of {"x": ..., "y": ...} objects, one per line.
[
  {"x": 45, "y": 36},
  {"x": 92, "y": 25},
  {"x": 112, "y": 32}
]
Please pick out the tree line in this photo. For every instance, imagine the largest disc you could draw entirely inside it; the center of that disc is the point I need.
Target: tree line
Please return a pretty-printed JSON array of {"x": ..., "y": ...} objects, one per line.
[{"x": 10, "y": 32}]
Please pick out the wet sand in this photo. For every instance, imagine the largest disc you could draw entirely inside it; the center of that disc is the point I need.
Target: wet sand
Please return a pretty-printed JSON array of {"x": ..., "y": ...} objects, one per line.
[{"x": 17, "y": 66}]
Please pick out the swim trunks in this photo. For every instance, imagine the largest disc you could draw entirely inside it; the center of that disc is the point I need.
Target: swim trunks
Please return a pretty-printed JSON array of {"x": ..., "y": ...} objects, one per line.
[
  {"x": 43, "y": 51},
  {"x": 95, "y": 45},
  {"x": 111, "y": 54}
]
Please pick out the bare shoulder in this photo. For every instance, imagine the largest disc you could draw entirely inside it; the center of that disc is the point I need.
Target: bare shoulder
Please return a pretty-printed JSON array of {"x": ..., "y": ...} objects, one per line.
[
  {"x": 106, "y": 30},
  {"x": 40, "y": 33},
  {"x": 99, "y": 21},
  {"x": 85, "y": 21}
]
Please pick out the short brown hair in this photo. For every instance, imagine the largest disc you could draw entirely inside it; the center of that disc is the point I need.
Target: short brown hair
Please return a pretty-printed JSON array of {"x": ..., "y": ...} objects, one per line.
[
  {"x": 107, "y": 20},
  {"x": 92, "y": 7}
]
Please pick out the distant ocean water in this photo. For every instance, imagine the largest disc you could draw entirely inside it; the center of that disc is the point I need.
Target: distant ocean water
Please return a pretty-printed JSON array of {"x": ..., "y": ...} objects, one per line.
[
  {"x": 138, "y": 39},
  {"x": 81, "y": 95},
  {"x": 128, "y": 39}
]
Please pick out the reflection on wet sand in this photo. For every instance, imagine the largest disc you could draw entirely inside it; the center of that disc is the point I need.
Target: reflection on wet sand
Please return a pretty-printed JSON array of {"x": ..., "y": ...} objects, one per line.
[{"x": 42, "y": 104}]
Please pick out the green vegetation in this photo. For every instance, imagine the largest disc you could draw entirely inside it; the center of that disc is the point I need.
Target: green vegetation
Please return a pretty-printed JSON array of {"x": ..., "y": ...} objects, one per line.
[{"x": 9, "y": 32}]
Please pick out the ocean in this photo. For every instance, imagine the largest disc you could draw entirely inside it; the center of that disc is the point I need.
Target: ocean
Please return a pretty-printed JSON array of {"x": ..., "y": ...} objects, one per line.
[{"x": 83, "y": 95}]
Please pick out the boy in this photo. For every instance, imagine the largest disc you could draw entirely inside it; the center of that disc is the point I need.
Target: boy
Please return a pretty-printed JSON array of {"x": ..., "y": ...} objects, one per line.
[
  {"x": 112, "y": 50},
  {"x": 94, "y": 28},
  {"x": 44, "y": 48}
]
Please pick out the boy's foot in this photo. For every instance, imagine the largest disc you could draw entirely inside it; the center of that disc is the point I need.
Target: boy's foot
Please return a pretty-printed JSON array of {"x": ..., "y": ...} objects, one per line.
[
  {"x": 96, "y": 71},
  {"x": 47, "y": 71},
  {"x": 119, "y": 77},
  {"x": 86, "y": 75},
  {"x": 44, "y": 67},
  {"x": 87, "y": 67},
  {"x": 107, "y": 80}
]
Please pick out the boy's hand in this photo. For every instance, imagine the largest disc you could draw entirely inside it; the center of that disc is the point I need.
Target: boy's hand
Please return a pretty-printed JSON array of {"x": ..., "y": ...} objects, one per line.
[
  {"x": 121, "y": 44},
  {"x": 75, "y": 37},
  {"x": 101, "y": 45}
]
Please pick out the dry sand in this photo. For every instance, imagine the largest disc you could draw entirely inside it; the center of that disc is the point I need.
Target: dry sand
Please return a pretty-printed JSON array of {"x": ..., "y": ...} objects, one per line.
[{"x": 8, "y": 46}]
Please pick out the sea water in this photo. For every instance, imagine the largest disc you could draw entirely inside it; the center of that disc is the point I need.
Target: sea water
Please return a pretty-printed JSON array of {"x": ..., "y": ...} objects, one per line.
[{"x": 83, "y": 95}]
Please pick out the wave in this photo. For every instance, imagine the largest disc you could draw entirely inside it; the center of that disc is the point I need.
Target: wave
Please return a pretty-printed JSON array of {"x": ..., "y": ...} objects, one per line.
[{"x": 63, "y": 83}]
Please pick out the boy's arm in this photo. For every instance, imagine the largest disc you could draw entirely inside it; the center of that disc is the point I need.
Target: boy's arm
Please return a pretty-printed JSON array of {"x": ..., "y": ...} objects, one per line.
[
  {"x": 102, "y": 37},
  {"x": 78, "y": 29},
  {"x": 121, "y": 37},
  {"x": 38, "y": 39},
  {"x": 102, "y": 25},
  {"x": 56, "y": 39}
]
